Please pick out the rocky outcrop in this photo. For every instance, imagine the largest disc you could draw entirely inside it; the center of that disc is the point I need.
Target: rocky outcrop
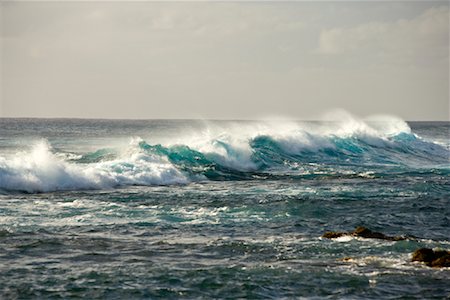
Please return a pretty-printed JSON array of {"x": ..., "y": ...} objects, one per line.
[
  {"x": 432, "y": 258},
  {"x": 333, "y": 234},
  {"x": 364, "y": 233}
]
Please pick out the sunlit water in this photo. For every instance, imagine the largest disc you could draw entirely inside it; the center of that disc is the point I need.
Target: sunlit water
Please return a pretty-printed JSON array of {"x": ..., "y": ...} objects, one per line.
[{"x": 146, "y": 209}]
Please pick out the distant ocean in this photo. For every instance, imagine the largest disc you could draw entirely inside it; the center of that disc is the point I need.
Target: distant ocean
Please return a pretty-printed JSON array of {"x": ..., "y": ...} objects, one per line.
[{"x": 121, "y": 209}]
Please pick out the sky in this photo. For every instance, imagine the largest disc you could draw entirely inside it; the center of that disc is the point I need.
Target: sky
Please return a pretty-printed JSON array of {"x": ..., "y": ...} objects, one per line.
[{"x": 224, "y": 60}]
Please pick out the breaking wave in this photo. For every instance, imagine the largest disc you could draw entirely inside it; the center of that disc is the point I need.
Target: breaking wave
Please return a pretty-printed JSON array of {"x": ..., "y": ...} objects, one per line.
[{"x": 350, "y": 147}]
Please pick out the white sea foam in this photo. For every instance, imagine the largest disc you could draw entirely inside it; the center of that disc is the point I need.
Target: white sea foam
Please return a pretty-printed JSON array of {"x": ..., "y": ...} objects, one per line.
[{"x": 40, "y": 171}]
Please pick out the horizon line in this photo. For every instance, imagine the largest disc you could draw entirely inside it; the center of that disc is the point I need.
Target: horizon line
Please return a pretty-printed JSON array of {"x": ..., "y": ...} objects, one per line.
[{"x": 192, "y": 119}]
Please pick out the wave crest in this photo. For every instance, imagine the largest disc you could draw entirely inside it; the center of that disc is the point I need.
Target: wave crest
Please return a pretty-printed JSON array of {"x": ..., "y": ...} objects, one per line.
[
  {"x": 40, "y": 170},
  {"x": 237, "y": 151}
]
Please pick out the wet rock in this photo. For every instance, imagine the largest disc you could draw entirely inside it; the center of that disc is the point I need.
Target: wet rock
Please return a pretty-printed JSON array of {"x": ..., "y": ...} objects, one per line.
[
  {"x": 364, "y": 232},
  {"x": 369, "y": 234},
  {"x": 423, "y": 254},
  {"x": 333, "y": 235},
  {"x": 441, "y": 262},
  {"x": 435, "y": 259}
]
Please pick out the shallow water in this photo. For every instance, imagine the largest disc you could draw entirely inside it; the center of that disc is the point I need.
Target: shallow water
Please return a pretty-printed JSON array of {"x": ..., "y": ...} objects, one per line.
[{"x": 146, "y": 209}]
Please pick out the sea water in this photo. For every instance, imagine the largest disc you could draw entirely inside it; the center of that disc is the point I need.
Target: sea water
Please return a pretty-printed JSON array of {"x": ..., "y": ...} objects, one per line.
[{"x": 221, "y": 209}]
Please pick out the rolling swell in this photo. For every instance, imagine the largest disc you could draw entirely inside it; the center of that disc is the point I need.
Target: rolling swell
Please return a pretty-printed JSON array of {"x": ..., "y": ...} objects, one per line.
[{"x": 363, "y": 151}]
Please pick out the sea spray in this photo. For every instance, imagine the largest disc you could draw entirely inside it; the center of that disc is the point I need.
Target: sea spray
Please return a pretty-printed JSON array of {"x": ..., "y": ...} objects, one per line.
[
  {"x": 40, "y": 170},
  {"x": 229, "y": 151}
]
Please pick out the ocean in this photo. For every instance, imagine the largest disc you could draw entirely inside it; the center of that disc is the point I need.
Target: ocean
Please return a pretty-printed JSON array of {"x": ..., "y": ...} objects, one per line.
[{"x": 137, "y": 209}]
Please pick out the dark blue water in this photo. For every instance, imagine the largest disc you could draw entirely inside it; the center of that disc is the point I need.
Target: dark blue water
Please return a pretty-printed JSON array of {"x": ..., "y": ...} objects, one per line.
[{"x": 221, "y": 209}]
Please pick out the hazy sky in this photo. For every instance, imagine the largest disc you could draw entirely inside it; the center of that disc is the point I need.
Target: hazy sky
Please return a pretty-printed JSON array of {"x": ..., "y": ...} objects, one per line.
[{"x": 225, "y": 60}]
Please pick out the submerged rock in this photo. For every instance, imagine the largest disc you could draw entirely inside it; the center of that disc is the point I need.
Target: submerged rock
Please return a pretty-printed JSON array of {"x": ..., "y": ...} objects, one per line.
[
  {"x": 432, "y": 258},
  {"x": 364, "y": 232}
]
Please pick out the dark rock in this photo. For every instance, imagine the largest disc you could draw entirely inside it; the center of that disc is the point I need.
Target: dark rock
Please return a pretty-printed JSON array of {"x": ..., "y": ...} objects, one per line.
[
  {"x": 333, "y": 235},
  {"x": 369, "y": 234},
  {"x": 442, "y": 262},
  {"x": 365, "y": 233},
  {"x": 423, "y": 254},
  {"x": 436, "y": 259}
]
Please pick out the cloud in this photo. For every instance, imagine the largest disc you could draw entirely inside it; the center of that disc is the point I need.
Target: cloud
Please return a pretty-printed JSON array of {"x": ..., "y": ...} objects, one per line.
[
  {"x": 142, "y": 59},
  {"x": 405, "y": 40}
]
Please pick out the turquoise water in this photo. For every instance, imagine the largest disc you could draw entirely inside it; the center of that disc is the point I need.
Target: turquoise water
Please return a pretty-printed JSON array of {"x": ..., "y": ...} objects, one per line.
[{"x": 220, "y": 209}]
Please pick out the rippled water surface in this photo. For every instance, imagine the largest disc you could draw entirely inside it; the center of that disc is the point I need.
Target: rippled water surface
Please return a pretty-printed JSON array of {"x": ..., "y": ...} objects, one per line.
[{"x": 147, "y": 209}]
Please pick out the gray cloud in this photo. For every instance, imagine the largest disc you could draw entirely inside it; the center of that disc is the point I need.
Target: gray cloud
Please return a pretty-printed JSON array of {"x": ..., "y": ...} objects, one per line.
[
  {"x": 224, "y": 60},
  {"x": 409, "y": 41}
]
